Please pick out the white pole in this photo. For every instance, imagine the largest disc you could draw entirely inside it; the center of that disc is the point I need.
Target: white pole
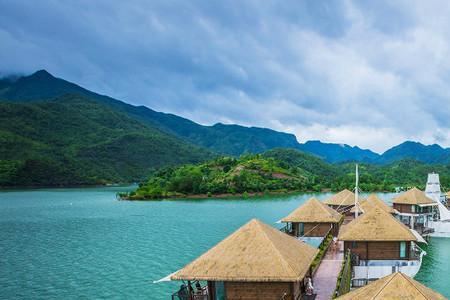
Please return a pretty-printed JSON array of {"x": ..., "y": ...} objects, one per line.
[{"x": 356, "y": 192}]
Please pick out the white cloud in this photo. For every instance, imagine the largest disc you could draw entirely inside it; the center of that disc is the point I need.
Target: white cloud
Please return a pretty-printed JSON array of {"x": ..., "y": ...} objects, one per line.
[{"x": 369, "y": 74}]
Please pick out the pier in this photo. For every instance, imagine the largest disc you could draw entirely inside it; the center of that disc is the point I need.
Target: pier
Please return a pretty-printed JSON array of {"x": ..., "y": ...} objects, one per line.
[{"x": 328, "y": 272}]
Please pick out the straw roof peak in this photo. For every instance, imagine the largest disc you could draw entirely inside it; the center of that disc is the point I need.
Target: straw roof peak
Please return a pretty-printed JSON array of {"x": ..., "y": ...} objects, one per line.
[
  {"x": 376, "y": 225},
  {"x": 255, "y": 252},
  {"x": 394, "y": 286},
  {"x": 343, "y": 198},
  {"x": 413, "y": 196},
  {"x": 373, "y": 201},
  {"x": 313, "y": 211}
]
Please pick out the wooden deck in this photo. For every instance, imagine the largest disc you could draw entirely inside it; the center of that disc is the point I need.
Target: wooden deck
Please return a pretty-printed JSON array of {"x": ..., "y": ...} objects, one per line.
[{"x": 326, "y": 276}]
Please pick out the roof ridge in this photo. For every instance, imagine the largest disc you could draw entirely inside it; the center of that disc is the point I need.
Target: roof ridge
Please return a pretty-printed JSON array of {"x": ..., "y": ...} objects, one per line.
[
  {"x": 400, "y": 223},
  {"x": 384, "y": 285},
  {"x": 277, "y": 251},
  {"x": 324, "y": 207},
  {"x": 413, "y": 284},
  {"x": 376, "y": 214}
]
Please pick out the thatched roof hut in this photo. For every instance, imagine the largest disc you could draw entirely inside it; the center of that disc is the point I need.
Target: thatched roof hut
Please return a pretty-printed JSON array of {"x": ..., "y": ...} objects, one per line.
[
  {"x": 313, "y": 211},
  {"x": 392, "y": 287},
  {"x": 376, "y": 225},
  {"x": 343, "y": 198},
  {"x": 413, "y": 196},
  {"x": 371, "y": 202},
  {"x": 256, "y": 252}
]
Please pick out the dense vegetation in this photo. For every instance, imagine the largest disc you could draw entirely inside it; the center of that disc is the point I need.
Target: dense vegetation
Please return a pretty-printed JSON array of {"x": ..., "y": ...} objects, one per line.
[
  {"x": 51, "y": 138},
  {"x": 73, "y": 140},
  {"x": 225, "y": 175},
  {"x": 226, "y": 139},
  {"x": 281, "y": 170}
]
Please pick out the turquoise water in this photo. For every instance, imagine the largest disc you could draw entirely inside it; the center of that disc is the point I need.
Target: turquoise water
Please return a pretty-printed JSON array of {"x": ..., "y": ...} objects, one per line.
[{"x": 84, "y": 244}]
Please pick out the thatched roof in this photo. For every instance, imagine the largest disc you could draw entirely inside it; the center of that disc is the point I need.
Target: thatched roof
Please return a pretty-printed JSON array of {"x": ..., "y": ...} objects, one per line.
[
  {"x": 343, "y": 198},
  {"x": 255, "y": 252},
  {"x": 392, "y": 287},
  {"x": 313, "y": 211},
  {"x": 375, "y": 225},
  {"x": 371, "y": 202},
  {"x": 413, "y": 196}
]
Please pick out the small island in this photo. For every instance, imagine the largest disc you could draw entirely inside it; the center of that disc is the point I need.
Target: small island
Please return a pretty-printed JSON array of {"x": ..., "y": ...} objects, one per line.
[
  {"x": 278, "y": 171},
  {"x": 225, "y": 176}
]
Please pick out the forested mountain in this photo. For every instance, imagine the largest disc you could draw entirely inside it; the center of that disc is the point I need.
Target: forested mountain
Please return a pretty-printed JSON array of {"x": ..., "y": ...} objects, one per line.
[
  {"x": 73, "y": 140},
  {"x": 229, "y": 139},
  {"x": 146, "y": 140},
  {"x": 336, "y": 153},
  {"x": 431, "y": 154},
  {"x": 221, "y": 138}
]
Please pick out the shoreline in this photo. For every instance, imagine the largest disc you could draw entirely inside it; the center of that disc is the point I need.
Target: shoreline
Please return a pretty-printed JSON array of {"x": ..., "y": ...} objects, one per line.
[
  {"x": 232, "y": 196},
  {"x": 55, "y": 187},
  {"x": 217, "y": 196}
]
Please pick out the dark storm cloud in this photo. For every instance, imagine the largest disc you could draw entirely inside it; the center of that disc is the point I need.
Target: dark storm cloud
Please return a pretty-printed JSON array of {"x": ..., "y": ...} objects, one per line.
[{"x": 338, "y": 71}]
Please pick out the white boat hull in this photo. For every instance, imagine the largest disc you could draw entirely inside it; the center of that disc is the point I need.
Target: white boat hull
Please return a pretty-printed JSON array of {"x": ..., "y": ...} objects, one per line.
[
  {"x": 372, "y": 272},
  {"x": 441, "y": 229},
  {"x": 433, "y": 191},
  {"x": 380, "y": 268}
]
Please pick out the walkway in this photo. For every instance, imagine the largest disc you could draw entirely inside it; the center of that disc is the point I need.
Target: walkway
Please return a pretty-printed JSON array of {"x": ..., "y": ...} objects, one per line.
[{"x": 326, "y": 276}]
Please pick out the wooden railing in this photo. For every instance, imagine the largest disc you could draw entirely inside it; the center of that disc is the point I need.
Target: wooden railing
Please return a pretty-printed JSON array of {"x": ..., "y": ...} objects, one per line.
[
  {"x": 344, "y": 279},
  {"x": 323, "y": 248}
]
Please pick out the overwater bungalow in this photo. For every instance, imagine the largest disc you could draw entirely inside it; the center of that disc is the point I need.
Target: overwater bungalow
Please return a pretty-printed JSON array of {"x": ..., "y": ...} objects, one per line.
[
  {"x": 392, "y": 287},
  {"x": 415, "y": 210},
  {"x": 255, "y": 262},
  {"x": 313, "y": 219},
  {"x": 342, "y": 202},
  {"x": 371, "y": 202},
  {"x": 380, "y": 244}
]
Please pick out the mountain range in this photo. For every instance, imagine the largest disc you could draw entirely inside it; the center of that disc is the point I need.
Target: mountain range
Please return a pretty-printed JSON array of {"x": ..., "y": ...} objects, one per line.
[{"x": 67, "y": 129}]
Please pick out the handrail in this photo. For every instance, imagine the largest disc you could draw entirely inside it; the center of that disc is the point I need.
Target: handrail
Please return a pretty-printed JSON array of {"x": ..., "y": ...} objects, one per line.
[{"x": 344, "y": 278}]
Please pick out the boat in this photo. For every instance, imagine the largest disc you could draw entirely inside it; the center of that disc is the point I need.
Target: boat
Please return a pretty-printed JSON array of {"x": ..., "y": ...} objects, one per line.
[
  {"x": 441, "y": 222},
  {"x": 379, "y": 245}
]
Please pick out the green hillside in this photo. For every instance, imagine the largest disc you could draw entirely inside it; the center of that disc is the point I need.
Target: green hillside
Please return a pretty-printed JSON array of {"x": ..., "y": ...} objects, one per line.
[
  {"x": 73, "y": 140},
  {"x": 282, "y": 170},
  {"x": 227, "y": 139},
  {"x": 225, "y": 175}
]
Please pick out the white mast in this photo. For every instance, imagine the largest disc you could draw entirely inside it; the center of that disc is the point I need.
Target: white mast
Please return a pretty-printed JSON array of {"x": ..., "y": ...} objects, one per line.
[{"x": 356, "y": 191}]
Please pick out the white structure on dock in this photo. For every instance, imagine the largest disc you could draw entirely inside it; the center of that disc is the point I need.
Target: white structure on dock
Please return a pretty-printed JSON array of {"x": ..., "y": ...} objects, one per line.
[{"x": 441, "y": 224}]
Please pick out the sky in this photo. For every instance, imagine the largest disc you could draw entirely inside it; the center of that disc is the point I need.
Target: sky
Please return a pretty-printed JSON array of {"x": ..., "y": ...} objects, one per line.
[{"x": 365, "y": 73}]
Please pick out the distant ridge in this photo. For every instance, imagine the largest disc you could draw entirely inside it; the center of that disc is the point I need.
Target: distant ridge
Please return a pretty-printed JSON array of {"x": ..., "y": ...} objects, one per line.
[
  {"x": 335, "y": 153},
  {"x": 221, "y": 138},
  {"x": 430, "y": 154}
]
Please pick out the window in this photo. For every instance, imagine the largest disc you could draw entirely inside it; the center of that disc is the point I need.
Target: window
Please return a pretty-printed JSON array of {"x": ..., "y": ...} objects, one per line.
[
  {"x": 354, "y": 244},
  {"x": 402, "y": 249},
  {"x": 301, "y": 229},
  {"x": 413, "y": 208}
]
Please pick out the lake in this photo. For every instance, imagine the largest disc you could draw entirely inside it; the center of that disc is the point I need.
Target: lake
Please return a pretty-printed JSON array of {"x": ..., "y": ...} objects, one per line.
[{"x": 84, "y": 244}]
